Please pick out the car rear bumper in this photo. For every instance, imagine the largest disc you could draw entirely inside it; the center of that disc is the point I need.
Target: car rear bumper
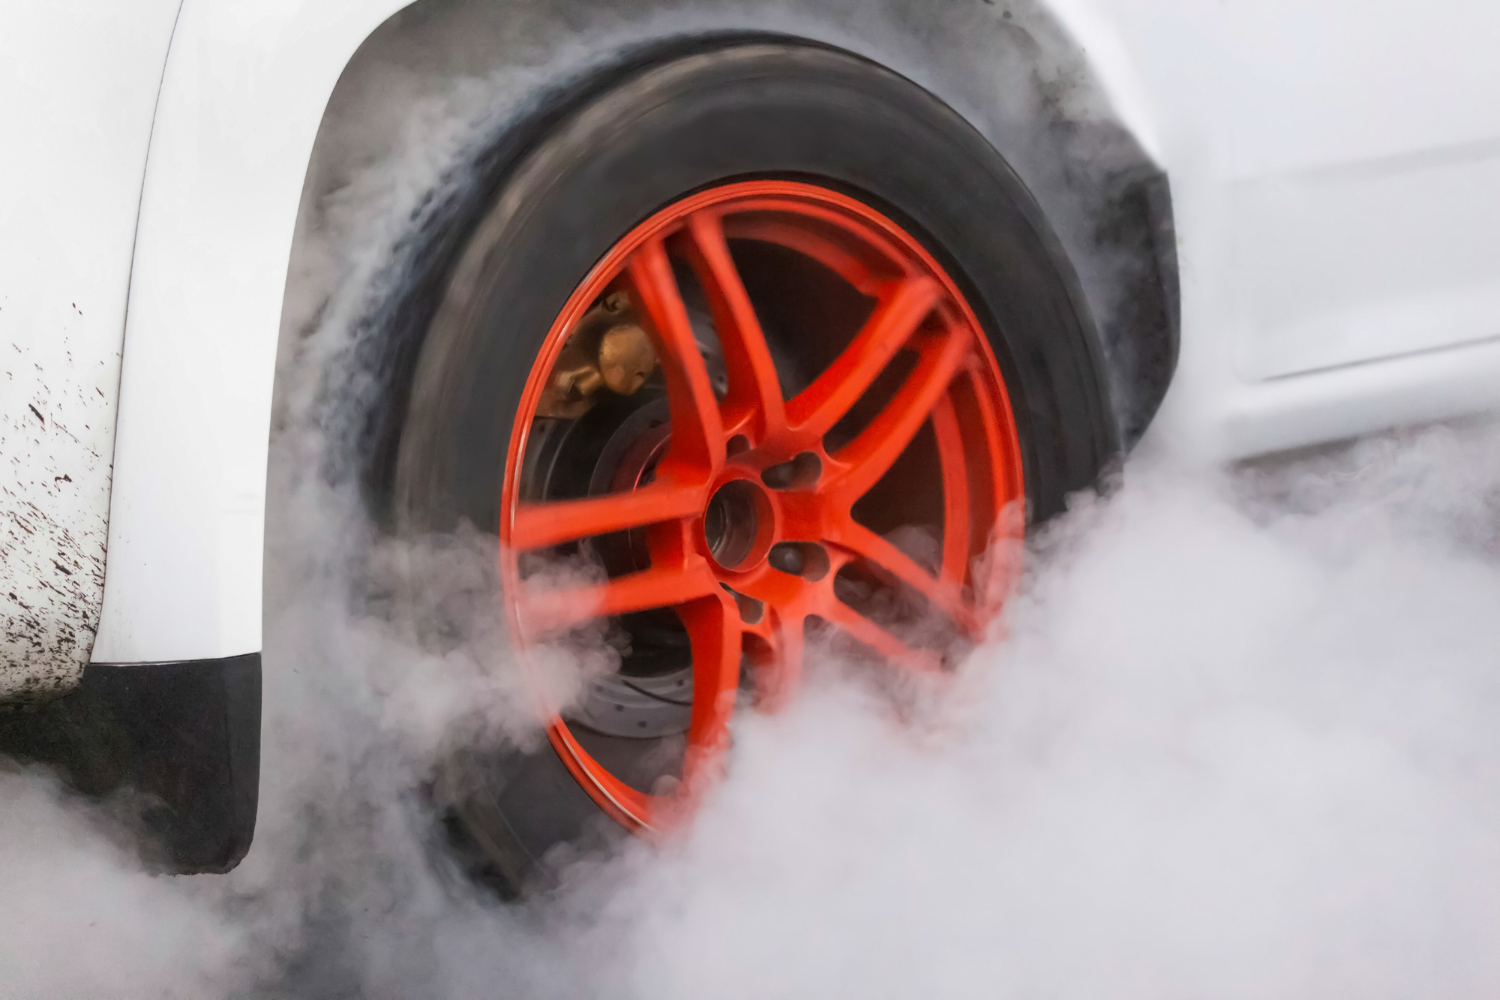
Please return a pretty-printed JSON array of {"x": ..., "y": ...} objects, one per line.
[{"x": 183, "y": 737}]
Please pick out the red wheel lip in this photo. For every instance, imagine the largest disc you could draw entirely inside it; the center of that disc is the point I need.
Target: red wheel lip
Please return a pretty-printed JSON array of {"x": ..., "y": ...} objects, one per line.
[{"x": 622, "y": 802}]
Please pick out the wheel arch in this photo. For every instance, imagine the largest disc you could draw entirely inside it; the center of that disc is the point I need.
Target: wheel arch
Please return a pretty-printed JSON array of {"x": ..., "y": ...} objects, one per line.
[
  {"x": 354, "y": 103},
  {"x": 1097, "y": 184}
]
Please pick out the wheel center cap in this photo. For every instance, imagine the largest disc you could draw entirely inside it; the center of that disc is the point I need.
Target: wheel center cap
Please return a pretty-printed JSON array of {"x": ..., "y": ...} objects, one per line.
[{"x": 739, "y": 524}]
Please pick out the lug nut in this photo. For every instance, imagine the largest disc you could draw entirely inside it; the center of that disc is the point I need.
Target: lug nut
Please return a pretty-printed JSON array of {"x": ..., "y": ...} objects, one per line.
[
  {"x": 800, "y": 471},
  {"x": 778, "y": 477},
  {"x": 788, "y": 558},
  {"x": 751, "y": 610}
]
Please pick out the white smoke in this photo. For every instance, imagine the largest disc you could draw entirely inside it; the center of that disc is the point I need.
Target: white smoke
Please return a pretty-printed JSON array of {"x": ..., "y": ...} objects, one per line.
[
  {"x": 78, "y": 921},
  {"x": 1240, "y": 741},
  {"x": 1237, "y": 739}
]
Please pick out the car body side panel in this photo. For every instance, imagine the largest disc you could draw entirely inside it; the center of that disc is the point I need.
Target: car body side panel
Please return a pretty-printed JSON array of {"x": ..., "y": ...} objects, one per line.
[
  {"x": 78, "y": 85},
  {"x": 1240, "y": 102},
  {"x": 1335, "y": 170},
  {"x": 245, "y": 88}
]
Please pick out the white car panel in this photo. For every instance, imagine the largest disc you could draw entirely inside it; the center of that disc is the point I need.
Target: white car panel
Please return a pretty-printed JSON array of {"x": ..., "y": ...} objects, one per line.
[
  {"x": 1354, "y": 263},
  {"x": 1335, "y": 170},
  {"x": 244, "y": 92},
  {"x": 78, "y": 83}
]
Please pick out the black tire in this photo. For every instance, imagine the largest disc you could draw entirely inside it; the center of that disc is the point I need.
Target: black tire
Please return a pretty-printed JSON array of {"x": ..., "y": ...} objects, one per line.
[{"x": 742, "y": 111}]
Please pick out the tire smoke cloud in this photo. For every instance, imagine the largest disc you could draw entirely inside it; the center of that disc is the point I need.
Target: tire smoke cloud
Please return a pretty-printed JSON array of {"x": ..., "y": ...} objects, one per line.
[{"x": 1234, "y": 738}]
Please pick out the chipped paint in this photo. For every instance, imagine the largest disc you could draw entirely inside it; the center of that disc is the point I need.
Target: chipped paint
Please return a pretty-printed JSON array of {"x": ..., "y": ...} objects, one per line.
[{"x": 56, "y": 429}]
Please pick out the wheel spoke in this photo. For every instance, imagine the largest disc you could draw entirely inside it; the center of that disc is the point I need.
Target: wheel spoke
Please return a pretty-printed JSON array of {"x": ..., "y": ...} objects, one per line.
[
  {"x": 779, "y": 675},
  {"x": 697, "y": 430},
  {"x": 540, "y": 525},
  {"x": 833, "y": 254},
  {"x": 753, "y": 385},
  {"x": 867, "y": 633},
  {"x": 559, "y": 608},
  {"x": 824, "y": 403},
  {"x": 1003, "y": 481},
  {"x": 778, "y": 648},
  {"x": 1003, "y": 465},
  {"x": 715, "y": 639},
  {"x": 944, "y": 595},
  {"x": 956, "y": 528},
  {"x": 870, "y": 455}
]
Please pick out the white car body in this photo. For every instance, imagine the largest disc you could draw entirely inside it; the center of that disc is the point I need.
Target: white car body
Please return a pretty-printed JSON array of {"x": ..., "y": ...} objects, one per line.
[{"x": 1335, "y": 173}]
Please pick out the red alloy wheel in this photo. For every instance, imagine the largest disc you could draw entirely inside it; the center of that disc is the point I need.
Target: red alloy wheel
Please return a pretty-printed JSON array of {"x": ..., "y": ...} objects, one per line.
[{"x": 747, "y": 514}]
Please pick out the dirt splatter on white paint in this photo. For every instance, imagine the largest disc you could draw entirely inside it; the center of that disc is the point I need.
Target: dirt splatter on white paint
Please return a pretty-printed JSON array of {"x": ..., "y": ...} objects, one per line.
[{"x": 56, "y": 434}]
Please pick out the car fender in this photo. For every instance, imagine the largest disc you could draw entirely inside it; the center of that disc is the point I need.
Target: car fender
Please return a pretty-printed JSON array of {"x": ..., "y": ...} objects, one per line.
[
  {"x": 244, "y": 92},
  {"x": 78, "y": 84},
  {"x": 243, "y": 102}
]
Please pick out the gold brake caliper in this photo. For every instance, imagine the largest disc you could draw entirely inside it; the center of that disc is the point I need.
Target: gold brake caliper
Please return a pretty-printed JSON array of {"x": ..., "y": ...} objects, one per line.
[{"x": 607, "y": 350}]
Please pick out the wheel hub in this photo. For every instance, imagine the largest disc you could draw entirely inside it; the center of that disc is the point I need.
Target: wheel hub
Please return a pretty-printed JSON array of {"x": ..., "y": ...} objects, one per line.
[{"x": 739, "y": 525}]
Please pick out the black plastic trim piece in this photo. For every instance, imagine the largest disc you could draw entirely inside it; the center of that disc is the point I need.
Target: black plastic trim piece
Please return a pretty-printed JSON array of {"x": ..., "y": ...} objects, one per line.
[
  {"x": 1141, "y": 320},
  {"x": 180, "y": 739}
]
